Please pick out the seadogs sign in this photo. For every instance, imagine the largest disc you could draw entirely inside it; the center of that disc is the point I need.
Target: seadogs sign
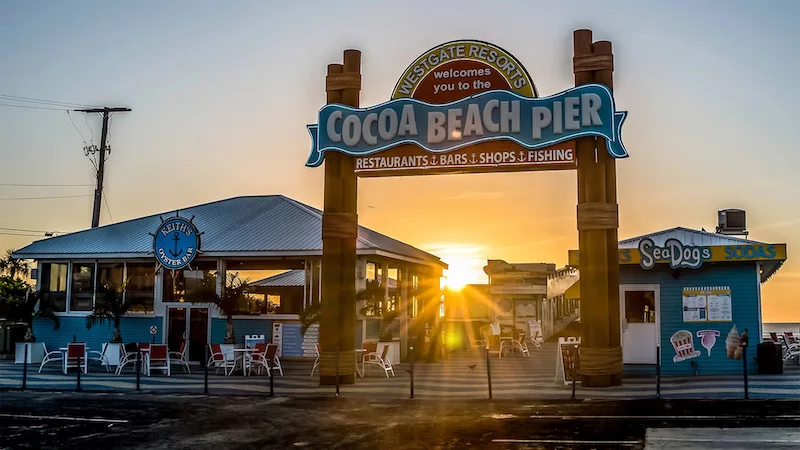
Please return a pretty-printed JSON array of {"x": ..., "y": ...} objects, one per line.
[{"x": 466, "y": 107}]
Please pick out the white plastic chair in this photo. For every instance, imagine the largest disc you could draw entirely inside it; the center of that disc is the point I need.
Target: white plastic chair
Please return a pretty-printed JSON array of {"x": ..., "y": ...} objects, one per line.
[
  {"x": 50, "y": 356},
  {"x": 180, "y": 358},
  {"x": 76, "y": 357},
  {"x": 316, "y": 361},
  {"x": 219, "y": 360},
  {"x": 128, "y": 357},
  {"x": 158, "y": 359},
  {"x": 101, "y": 357},
  {"x": 381, "y": 361}
]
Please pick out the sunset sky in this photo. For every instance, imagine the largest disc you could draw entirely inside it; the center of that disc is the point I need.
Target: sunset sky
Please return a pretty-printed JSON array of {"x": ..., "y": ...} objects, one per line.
[{"x": 221, "y": 94}]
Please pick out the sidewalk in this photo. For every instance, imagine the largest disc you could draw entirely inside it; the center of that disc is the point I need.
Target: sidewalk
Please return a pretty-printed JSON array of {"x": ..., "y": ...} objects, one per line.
[{"x": 463, "y": 376}]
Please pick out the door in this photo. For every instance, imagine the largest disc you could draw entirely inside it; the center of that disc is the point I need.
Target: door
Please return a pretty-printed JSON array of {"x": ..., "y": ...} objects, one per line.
[
  {"x": 198, "y": 333},
  {"x": 194, "y": 333},
  {"x": 640, "y": 319}
]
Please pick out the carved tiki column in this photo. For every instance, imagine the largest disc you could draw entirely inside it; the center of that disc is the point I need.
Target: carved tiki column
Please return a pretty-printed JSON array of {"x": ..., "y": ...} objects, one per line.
[
  {"x": 600, "y": 354},
  {"x": 339, "y": 232}
]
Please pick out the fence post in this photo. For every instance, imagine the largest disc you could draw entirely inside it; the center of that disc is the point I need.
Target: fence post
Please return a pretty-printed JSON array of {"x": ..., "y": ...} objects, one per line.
[
  {"x": 205, "y": 372},
  {"x": 411, "y": 358},
  {"x": 77, "y": 388},
  {"x": 271, "y": 379},
  {"x": 138, "y": 366},
  {"x": 338, "y": 348},
  {"x": 25, "y": 369},
  {"x": 658, "y": 370},
  {"x": 574, "y": 368},
  {"x": 488, "y": 370},
  {"x": 744, "y": 365}
]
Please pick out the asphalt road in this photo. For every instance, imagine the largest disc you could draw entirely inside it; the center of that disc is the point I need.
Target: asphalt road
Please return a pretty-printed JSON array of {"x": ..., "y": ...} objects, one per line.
[{"x": 69, "y": 420}]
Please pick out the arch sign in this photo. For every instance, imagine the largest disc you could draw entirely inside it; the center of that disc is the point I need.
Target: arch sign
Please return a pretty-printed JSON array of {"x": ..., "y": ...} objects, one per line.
[{"x": 466, "y": 107}]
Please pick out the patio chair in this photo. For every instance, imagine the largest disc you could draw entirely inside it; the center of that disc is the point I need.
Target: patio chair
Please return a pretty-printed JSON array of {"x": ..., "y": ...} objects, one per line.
[
  {"x": 50, "y": 356},
  {"x": 316, "y": 361},
  {"x": 259, "y": 357},
  {"x": 219, "y": 360},
  {"x": 790, "y": 338},
  {"x": 792, "y": 351},
  {"x": 180, "y": 358},
  {"x": 76, "y": 357},
  {"x": 521, "y": 345},
  {"x": 272, "y": 359},
  {"x": 158, "y": 359},
  {"x": 381, "y": 361},
  {"x": 101, "y": 357},
  {"x": 130, "y": 355},
  {"x": 537, "y": 341},
  {"x": 492, "y": 344}
]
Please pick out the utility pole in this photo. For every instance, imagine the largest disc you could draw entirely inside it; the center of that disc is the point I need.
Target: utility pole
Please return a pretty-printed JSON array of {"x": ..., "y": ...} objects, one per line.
[{"x": 98, "y": 192}]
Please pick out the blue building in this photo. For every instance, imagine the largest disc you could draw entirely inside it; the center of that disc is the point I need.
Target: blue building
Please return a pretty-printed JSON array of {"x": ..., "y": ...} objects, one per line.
[
  {"x": 273, "y": 241},
  {"x": 694, "y": 294}
]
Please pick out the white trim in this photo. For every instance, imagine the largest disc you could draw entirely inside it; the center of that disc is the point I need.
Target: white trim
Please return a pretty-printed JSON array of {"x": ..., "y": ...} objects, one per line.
[
  {"x": 758, "y": 291},
  {"x": 265, "y": 317},
  {"x": 656, "y": 289}
]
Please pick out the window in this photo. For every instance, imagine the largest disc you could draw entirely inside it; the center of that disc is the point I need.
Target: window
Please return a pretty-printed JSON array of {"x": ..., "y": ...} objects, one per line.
[
  {"x": 274, "y": 300},
  {"x": 191, "y": 285},
  {"x": 371, "y": 271},
  {"x": 82, "y": 296},
  {"x": 110, "y": 275},
  {"x": 414, "y": 304},
  {"x": 141, "y": 283},
  {"x": 54, "y": 285}
]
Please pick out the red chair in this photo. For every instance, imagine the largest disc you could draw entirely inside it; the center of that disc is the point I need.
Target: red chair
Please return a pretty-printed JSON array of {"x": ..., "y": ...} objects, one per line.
[
  {"x": 268, "y": 359},
  {"x": 76, "y": 357},
  {"x": 144, "y": 346},
  {"x": 180, "y": 357},
  {"x": 219, "y": 360},
  {"x": 158, "y": 359}
]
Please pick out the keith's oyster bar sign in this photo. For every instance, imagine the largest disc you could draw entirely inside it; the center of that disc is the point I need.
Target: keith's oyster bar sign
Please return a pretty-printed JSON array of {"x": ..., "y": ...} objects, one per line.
[{"x": 466, "y": 107}]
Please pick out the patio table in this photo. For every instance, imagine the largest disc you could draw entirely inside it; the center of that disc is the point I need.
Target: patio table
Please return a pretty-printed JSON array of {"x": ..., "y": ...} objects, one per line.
[
  {"x": 360, "y": 353},
  {"x": 246, "y": 358}
]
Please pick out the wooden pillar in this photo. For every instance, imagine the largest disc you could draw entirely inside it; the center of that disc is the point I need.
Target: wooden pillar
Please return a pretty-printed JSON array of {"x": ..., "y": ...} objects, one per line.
[
  {"x": 339, "y": 233},
  {"x": 601, "y": 354}
]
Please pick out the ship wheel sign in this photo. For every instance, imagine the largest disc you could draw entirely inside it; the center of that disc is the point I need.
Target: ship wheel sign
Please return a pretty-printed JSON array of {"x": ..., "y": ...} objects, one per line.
[{"x": 176, "y": 242}]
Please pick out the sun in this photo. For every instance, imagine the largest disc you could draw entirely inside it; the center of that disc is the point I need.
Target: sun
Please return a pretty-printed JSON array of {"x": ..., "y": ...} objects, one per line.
[{"x": 463, "y": 271}]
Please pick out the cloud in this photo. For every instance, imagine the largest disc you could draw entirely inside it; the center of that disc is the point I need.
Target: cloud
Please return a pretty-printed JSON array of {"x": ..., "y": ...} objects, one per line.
[{"x": 476, "y": 196}]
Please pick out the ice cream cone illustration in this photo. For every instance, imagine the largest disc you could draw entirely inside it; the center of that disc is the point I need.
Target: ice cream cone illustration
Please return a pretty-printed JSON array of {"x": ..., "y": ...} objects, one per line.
[
  {"x": 732, "y": 343},
  {"x": 683, "y": 344}
]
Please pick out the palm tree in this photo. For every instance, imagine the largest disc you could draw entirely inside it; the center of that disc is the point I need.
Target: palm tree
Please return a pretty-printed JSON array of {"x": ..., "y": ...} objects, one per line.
[
  {"x": 13, "y": 266},
  {"x": 309, "y": 316},
  {"x": 18, "y": 304},
  {"x": 376, "y": 305},
  {"x": 110, "y": 305},
  {"x": 234, "y": 294}
]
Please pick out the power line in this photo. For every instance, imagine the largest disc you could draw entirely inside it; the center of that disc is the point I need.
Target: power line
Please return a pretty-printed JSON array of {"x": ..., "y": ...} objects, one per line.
[
  {"x": 44, "y": 198},
  {"x": 39, "y": 100},
  {"x": 19, "y": 234},
  {"x": 45, "y": 185},
  {"x": 32, "y": 107},
  {"x": 108, "y": 210},
  {"x": 76, "y": 128},
  {"x": 25, "y": 230}
]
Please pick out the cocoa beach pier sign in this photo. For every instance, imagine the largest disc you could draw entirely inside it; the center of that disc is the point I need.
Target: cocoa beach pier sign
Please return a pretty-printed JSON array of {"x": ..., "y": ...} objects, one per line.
[{"x": 467, "y": 106}]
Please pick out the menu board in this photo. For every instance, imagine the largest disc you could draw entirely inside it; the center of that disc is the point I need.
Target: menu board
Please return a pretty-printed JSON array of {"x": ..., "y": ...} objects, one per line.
[
  {"x": 719, "y": 307},
  {"x": 567, "y": 359},
  {"x": 707, "y": 304}
]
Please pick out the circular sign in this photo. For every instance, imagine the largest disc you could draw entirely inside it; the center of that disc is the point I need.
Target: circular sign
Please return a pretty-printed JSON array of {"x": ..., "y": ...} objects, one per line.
[
  {"x": 153, "y": 329},
  {"x": 176, "y": 243},
  {"x": 458, "y": 69}
]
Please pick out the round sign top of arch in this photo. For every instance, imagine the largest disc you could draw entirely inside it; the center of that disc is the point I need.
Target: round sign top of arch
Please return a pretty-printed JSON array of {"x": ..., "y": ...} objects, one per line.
[{"x": 176, "y": 242}]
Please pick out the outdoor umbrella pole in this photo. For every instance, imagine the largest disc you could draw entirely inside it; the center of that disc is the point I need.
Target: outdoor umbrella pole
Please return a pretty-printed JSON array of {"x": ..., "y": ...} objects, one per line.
[
  {"x": 574, "y": 368},
  {"x": 744, "y": 368},
  {"x": 488, "y": 369}
]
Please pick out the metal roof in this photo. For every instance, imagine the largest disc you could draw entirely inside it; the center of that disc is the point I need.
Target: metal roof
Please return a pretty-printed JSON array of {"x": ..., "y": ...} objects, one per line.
[
  {"x": 292, "y": 278},
  {"x": 270, "y": 225},
  {"x": 688, "y": 237}
]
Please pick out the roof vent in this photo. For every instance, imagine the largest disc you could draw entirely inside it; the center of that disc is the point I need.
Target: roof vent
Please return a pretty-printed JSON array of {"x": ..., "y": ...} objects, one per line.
[{"x": 731, "y": 222}]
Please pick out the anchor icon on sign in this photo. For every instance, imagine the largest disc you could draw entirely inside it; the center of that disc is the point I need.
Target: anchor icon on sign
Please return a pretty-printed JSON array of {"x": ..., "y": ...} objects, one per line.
[
  {"x": 474, "y": 158},
  {"x": 522, "y": 156},
  {"x": 177, "y": 252},
  {"x": 434, "y": 159}
]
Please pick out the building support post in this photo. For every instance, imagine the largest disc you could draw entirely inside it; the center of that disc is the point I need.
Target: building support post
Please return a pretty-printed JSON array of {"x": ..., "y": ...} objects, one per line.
[
  {"x": 339, "y": 233},
  {"x": 601, "y": 354}
]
